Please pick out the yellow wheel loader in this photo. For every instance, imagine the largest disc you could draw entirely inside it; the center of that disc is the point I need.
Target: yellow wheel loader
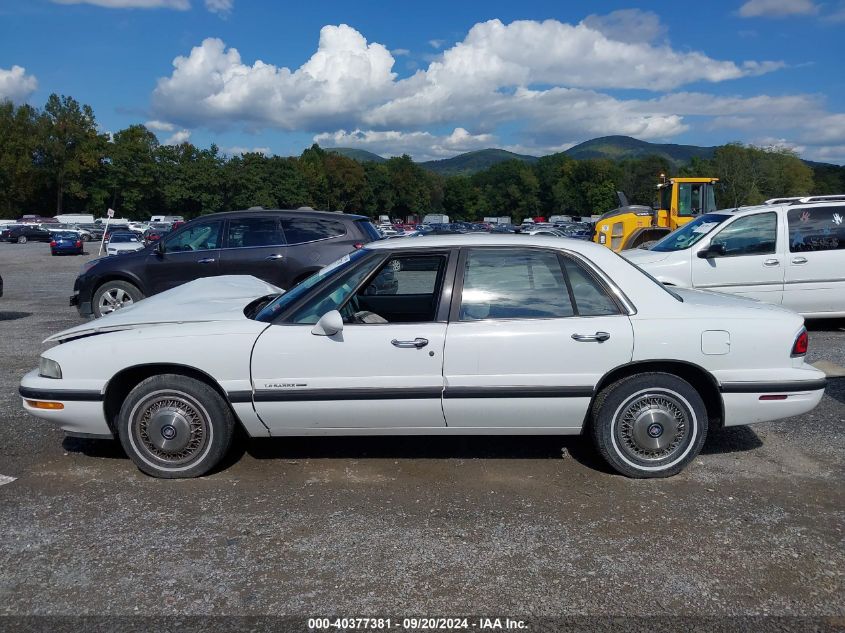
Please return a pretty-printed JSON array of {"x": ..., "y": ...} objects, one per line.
[{"x": 679, "y": 200}]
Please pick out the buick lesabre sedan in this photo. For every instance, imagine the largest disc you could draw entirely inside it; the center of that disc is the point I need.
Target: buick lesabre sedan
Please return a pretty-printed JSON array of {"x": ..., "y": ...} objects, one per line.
[{"x": 448, "y": 335}]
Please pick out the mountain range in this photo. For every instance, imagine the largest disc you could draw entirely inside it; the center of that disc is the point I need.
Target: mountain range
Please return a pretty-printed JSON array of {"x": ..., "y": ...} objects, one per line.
[{"x": 613, "y": 147}]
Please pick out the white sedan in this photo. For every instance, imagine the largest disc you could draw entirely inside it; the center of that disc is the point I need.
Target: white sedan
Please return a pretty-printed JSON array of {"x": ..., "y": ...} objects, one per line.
[{"x": 446, "y": 335}]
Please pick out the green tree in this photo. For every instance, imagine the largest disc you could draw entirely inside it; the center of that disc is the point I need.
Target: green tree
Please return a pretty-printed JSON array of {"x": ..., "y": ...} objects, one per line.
[
  {"x": 509, "y": 188},
  {"x": 461, "y": 199},
  {"x": 411, "y": 186},
  {"x": 131, "y": 171},
  {"x": 69, "y": 147},
  {"x": 191, "y": 179},
  {"x": 19, "y": 180}
]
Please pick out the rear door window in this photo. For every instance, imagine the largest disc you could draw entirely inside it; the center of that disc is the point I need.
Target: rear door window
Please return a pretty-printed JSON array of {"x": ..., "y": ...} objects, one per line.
[
  {"x": 299, "y": 230},
  {"x": 258, "y": 231},
  {"x": 816, "y": 229}
]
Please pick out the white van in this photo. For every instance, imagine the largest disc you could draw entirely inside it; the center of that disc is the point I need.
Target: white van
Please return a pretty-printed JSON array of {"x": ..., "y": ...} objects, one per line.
[
  {"x": 436, "y": 218},
  {"x": 787, "y": 253}
]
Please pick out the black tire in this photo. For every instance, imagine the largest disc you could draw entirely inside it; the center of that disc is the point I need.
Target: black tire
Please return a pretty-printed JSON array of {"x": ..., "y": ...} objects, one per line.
[
  {"x": 21, "y": 239},
  {"x": 115, "y": 294},
  {"x": 175, "y": 427},
  {"x": 649, "y": 425}
]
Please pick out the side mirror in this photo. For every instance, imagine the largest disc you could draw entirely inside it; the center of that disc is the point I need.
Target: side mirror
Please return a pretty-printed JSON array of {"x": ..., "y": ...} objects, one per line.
[
  {"x": 329, "y": 324},
  {"x": 714, "y": 250}
]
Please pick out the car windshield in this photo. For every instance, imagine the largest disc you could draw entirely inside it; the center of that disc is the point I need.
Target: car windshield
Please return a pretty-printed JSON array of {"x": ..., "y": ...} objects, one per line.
[
  {"x": 690, "y": 233},
  {"x": 66, "y": 235},
  {"x": 122, "y": 237},
  {"x": 273, "y": 309}
]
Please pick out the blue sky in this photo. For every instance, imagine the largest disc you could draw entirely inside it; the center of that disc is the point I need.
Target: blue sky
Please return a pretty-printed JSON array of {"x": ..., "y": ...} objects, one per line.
[{"x": 437, "y": 78}]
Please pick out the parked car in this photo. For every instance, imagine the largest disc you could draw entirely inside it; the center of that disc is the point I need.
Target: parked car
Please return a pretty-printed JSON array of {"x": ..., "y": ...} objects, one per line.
[
  {"x": 66, "y": 243},
  {"x": 281, "y": 247},
  {"x": 480, "y": 334},
  {"x": 789, "y": 254},
  {"x": 127, "y": 242},
  {"x": 24, "y": 233}
]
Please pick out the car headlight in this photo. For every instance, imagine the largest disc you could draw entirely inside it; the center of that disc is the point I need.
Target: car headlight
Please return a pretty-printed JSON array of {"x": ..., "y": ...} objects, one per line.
[{"x": 48, "y": 368}]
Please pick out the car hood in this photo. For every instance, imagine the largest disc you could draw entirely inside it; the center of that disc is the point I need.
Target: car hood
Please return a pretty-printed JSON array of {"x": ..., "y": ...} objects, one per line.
[
  {"x": 640, "y": 256},
  {"x": 202, "y": 300}
]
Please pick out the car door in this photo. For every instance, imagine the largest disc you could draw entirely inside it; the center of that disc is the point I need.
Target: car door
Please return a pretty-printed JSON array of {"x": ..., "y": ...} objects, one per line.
[
  {"x": 187, "y": 254},
  {"x": 313, "y": 242},
  {"x": 255, "y": 246},
  {"x": 815, "y": 269},
  {"x": 383, "y": 371},
  {"x": 745, "y": 257},
  {"x": 531, "y": 333}
]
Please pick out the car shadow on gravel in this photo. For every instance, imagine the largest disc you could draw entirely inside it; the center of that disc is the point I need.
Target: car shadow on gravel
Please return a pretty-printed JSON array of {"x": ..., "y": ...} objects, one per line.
[
  {"x": 13, "y": 316},
  {"x": 836, "y": 389},
  {"x": 825, "y": 325},
  {"x": 109, "y": 449}
]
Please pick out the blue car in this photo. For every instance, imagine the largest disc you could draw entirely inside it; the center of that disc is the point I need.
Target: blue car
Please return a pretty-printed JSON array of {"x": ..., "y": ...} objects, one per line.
[{"x": 66, "y": 243}]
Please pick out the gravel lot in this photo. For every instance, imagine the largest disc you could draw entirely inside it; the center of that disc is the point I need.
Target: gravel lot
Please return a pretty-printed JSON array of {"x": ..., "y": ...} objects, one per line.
[{"x": 407, "y": 526}]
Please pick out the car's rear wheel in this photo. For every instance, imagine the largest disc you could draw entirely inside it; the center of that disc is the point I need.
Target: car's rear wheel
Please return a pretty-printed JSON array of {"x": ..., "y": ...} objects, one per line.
[
  {"x": 114, "y": 295},
  {"x": 21, "y": 239},
  {"x": 174, "y": 427},
  {"x": 649, "y": 425}
]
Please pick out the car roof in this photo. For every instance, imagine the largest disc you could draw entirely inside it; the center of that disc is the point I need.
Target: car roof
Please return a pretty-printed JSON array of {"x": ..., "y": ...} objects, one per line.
[
  {"x": 794, "y": 203},
  {"x": 302, "y": 212},
  {"x": 487, "y": 239}
]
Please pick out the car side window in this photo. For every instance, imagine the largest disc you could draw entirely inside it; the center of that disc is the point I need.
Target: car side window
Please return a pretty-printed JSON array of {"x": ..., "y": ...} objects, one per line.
[
  {"x": 819, "y": 229},
  {"x": 591, "y": 298},
  {"x": 200, "y": 237},
  {"x": 334, "y": 295},
  {"x": 514, "y": 284},
  {"x": 749, "y": 235},
  {"x": 405, "y": 289},
  {"x": 299, "y": 230},
  {"x": 257, "y": 231}
]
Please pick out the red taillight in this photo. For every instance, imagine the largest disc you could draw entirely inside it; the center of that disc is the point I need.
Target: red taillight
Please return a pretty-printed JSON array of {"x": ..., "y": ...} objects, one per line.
[
  {"x": 78, "y": 244},
  {"x": 53, "y": 243},
  {"x": 801, "y": 343},
  {"x": 358, "y": 245},
  {"x": 781, "y": 396}
]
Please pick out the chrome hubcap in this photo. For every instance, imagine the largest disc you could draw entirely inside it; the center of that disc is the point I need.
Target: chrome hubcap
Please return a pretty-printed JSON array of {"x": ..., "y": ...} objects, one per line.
[
  {"x": 171, "y": 429},
  {"x": 652, "y": 427},
  {"x": 114, "y": 299}
]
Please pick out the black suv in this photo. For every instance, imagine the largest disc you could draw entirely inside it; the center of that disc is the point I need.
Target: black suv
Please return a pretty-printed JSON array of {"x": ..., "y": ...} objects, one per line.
[{"x": 280, "y": 247}]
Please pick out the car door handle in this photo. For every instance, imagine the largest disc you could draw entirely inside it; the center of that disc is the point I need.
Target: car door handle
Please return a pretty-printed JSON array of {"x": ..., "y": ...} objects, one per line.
[
  {"x": 771, "y": 262},
  {"x": 207, "y": 260},
  {"x": 419, "y": 343},
  {"x": 598, "y": 337},
  {"x": 799, "y": 260},
  {"x": 274, "y": 256}
]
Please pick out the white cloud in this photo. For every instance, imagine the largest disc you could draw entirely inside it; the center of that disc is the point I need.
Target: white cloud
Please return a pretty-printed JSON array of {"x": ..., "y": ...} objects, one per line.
[
  {"x": 16, "y": 85},
  {"x": 546, "y": 81},
  {"x": 777, "y": 8},
  {"x": 160, "y": 126},
  {"x": 345, "y": 76},
  {"x": 238, "y": 149},
  {"x": 400, "y": 52},
  {"x": 181, "y": 5},
  {"x": 420, "y": 145},
  {"x": 177, "y": 138},
  {"x": 223, "y": 7},
  {"x": 436, "y": 43},
  {"x": 627, "y": 25}
]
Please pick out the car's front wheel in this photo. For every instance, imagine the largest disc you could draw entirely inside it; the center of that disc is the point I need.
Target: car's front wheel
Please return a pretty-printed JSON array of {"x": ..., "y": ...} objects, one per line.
[
  {"x": 173, "y": 426},
  {"x": 114, "y": 295},
  {"x": 22, "y": 239},
  {"x": 649, "y": 425}
]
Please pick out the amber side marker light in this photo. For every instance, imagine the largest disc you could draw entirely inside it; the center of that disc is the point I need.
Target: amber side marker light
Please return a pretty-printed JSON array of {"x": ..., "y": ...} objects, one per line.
[{"x": 40, "y": 404}]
